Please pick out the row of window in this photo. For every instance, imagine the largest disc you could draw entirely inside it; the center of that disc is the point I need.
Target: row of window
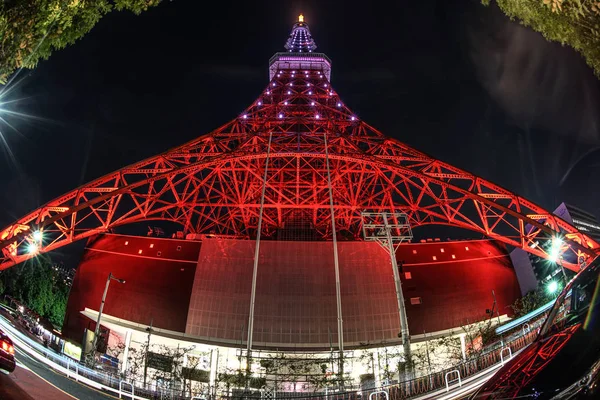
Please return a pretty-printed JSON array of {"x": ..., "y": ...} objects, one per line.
[
  {"x": 158, "y": 253},
  {"x": 442, "y": 251}
]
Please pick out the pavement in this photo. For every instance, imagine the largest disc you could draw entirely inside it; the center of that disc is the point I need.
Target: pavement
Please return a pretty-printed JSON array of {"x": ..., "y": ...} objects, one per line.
[
  {"x": 32, "y": 380},
  {"x": 39, "y": 382}
]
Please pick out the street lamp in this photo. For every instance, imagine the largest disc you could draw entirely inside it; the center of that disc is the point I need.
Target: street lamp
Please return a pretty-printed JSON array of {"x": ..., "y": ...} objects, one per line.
[
  {"x": 38, "y": 236},
  {"x": 552, "y": 287},
  {"x": 97, "y": 331},
  {"x": 556, "y": 256}
]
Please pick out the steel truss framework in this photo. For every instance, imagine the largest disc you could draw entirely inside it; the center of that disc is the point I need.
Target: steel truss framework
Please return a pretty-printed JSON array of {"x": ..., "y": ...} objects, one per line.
[
  {"x": 521, "y": 374},
  {"x": 212, "y": 185}
]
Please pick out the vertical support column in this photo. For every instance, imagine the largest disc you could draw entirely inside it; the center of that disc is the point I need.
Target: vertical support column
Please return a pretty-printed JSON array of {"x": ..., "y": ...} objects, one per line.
[
  {"x": 376, "y": 368},
  {"x": 126, "y": 351},
  {"x": 399, "y": 295},
  {"x": 463, "y": 347},
  {"x": 338, "y": 295},
  {"x": 214, "y": 364},
  {"x": 256, "y": 254}
]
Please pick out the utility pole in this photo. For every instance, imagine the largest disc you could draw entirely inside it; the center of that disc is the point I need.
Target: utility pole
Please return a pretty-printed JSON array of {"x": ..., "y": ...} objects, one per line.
[
  {"x": 149, "y": 330},
  {"x": 377, "y": 227},
  {"x": 92, "y": 353}
]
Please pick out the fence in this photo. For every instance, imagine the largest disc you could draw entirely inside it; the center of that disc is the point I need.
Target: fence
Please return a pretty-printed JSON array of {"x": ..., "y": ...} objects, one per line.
[{"x": 498, "y": 354}]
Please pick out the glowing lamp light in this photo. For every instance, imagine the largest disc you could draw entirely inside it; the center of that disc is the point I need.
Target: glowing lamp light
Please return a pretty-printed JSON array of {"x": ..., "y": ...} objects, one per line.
[
  {"x": 300, "y": 18},
  {"x": 352, "y": 118},
  {"x": 312, "y": 103},
  {"x": 285, "y": 103},
  {"x": 32, "y": 248},
  {"x": 280, "y": 115},
  {"x": 325, "y": 85},
  {"x": 339, "y": 104},
  {"x": 552, "y": 287},
  {"x": 260, "y": 103},
  {"x": 274, "y": 83},
  {"x": 244, "y": 116},
  {"x": 317, "y": 116},
  {"x": 554, "y": 253},
  {"x": 38, "y": 236},
  {"x": 268, "y": 92},
  {"x": 310, "y": 92},
  {"x": 308, "y": 84}
]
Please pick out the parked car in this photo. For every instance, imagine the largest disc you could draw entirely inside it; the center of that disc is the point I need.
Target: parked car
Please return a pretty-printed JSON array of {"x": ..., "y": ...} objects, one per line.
[
  {"x": 564, "y": 360},
  {"x": 7, "y": 353}
]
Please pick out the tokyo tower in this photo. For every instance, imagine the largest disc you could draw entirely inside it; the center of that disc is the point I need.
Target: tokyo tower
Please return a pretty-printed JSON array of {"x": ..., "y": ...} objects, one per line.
[{"x": 297, "y": 155}]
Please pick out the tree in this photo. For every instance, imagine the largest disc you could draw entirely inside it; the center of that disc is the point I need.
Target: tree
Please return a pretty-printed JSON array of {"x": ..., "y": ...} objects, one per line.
[
  {"x": 531, "y": 301},
  {"x": 36, "y": 284},
  {"x": 572, "y": 22},
  {"x": 31, "y": 29}
]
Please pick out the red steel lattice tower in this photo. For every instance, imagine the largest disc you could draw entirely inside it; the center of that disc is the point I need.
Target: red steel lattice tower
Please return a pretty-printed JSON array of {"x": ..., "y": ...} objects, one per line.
[{"x": 213, "y": 184}]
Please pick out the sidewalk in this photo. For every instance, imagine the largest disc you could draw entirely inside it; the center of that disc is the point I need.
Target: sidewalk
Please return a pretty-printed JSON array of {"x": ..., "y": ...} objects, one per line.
[{"x": 24, "y": 384}]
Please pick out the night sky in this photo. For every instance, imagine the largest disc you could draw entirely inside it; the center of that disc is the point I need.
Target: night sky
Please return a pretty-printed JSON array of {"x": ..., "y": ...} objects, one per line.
[{"x": 457, "y": 81}]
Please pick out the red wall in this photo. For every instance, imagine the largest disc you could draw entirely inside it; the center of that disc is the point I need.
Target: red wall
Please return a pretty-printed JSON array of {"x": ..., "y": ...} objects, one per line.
[
  {"x": 456, "y": 291},
  {"x": 295, "y": 293},
  {"x": 157, "y": 287},
  {"x": 205, "y": 291}
]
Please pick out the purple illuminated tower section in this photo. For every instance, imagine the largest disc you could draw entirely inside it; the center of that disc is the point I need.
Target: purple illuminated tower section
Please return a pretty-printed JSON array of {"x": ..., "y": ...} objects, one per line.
[
  {"x": 300, "y": 53},
  {"x": 300, "y": 40}
]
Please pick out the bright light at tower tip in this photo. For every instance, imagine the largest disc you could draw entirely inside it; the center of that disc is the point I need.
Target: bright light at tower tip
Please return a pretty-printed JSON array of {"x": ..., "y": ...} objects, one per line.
[
  {"x": 552, "y": 287},
  {"x": 300, "y": 18}
]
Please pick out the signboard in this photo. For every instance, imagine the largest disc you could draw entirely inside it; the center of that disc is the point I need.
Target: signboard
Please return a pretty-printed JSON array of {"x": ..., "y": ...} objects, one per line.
[
  {"x": 194, "y": 374},
  {"x": 72, "y": 351},
  {"x": 159, "y": 362}
]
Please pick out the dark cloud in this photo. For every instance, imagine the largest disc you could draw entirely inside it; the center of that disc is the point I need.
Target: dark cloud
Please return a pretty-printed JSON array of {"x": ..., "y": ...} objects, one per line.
[{"x": 538, "y": 83}]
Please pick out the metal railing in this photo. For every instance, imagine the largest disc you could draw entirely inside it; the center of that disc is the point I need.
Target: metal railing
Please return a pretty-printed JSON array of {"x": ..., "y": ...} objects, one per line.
[{"x": 402, "y": 390}]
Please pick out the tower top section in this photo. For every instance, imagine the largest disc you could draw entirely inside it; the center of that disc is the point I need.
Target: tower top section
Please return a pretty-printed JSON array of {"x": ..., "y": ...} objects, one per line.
[
  {"x": 300, "y": 53},
  {"x": 300, "y": 40}
]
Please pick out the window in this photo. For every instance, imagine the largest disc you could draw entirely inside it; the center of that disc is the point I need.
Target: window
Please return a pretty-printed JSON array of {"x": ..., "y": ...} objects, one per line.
[
  {"x": 126, "y": 242},
  {"x": 178, "y": 248},
  {"x": 434, "y": 258},
  {"x": 441, "y": 250},
  {"x": 453, "y": 257},
  {"x": 151, "y": 245},
  {"x": 140, "y": 251},
  {"x": 407, "y": 275},
  {"x": 158, "y": 253},
  {"x": 467, "y": 248},
  {"x": 415, "y": 300},
  {"x": 414, "y": 252}
]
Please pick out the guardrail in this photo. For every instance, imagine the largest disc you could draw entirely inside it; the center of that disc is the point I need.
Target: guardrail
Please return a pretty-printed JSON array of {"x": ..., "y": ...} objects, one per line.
[
  {"x": 448, "y": 382},
  {"x": 403, "y": 390}
]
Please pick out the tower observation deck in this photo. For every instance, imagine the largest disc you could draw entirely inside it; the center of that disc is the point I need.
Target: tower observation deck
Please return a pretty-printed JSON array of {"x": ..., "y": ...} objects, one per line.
[{"x": 300, "y": 53}]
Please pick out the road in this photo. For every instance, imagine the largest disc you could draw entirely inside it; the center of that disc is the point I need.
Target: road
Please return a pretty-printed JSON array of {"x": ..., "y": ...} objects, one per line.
[{"x": 33, "y": 380}]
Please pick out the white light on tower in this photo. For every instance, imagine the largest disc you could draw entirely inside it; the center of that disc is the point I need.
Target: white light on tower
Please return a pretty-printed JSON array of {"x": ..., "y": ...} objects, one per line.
[
  {"x": 554, "y": 254},
  {"x": 32, "y": 248},
  {"x": 552, "y": 287},
  {"x": 38, "y": 236}
]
